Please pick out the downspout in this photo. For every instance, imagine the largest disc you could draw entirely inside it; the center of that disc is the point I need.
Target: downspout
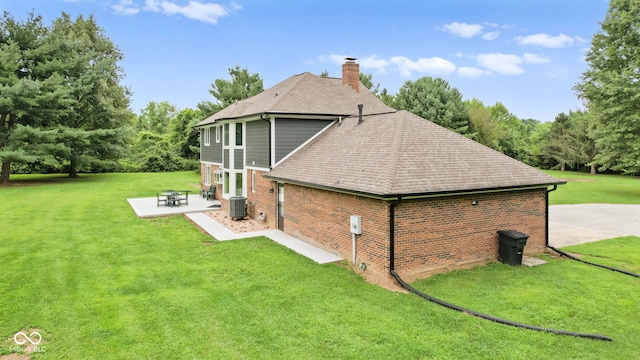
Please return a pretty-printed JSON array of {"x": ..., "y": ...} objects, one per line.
[
  {"x": 392, "y": 207},
  {"x": 392, "y": 235},
  {"x": 566, "y": 254},
  {"x": 546, "y": 215}
]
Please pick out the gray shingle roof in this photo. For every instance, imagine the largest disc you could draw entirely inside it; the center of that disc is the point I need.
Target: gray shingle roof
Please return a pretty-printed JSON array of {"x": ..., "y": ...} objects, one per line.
[
  {"x": 304, "y": 94},
  {"x": 400, "y": 153}
]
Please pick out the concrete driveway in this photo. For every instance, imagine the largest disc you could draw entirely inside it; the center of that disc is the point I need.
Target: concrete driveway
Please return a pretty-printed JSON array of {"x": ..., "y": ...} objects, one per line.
[{"x": 578, "y": 224}]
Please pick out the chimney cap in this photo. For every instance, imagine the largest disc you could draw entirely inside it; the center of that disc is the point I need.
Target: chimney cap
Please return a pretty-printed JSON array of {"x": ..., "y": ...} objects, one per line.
[{"x": 350, "y": 59}]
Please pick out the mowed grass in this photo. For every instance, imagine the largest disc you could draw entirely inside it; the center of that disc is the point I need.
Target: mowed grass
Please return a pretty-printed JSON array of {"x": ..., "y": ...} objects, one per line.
[
  {"x": 99, "y": 283},
  {"x": 582, "y": 188}
]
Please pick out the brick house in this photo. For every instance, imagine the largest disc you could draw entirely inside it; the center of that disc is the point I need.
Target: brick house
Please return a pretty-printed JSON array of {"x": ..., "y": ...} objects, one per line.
[{"x": 311, "y": 155}]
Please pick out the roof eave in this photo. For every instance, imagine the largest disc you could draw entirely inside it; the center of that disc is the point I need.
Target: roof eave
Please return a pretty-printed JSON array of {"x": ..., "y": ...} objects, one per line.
[{"x": 395, "y": 196}]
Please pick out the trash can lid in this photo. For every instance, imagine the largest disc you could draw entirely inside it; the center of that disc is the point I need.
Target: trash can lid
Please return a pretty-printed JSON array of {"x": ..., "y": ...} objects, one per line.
[{"x": 513, "y": 234}]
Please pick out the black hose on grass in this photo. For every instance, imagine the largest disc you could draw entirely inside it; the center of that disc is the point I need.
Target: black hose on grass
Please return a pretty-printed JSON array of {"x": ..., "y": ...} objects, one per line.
[
  {"x": 563, "y": 253},
  {"x": 493, "y": 318}
]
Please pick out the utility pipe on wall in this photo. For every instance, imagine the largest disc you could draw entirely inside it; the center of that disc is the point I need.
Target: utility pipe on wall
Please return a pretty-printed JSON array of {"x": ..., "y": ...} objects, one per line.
[{"x": 353, "y": 248}]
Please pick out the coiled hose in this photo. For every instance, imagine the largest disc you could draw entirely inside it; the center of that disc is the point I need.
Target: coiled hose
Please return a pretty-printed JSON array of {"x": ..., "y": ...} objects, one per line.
[
  {"x": 591, "y": 263},
  {"x": 493, "y": 318}
]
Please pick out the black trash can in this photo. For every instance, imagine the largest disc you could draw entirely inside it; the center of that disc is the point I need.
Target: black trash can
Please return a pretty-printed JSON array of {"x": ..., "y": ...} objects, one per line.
[{"x": 512, "y": 245}]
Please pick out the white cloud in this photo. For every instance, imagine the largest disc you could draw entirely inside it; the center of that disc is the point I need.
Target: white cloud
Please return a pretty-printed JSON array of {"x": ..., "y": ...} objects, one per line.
[
  {"x": 334, "y": 58},
  {"x": 405, "y": 66},
  {"x": 463, "y": 29},
  {"x": 205, "y": 12},
  {"x": 492, "y": 35},
  {"x": 435, "y": 65},
  {"x": 546, "y": 40},
  {"x": 472, "y": 72},
  {"x": 531, "y": 58},
  {"x": 125, "y": 7},
  {"x": 506, "y": 64},
  {"x": 373, "y": 62}
]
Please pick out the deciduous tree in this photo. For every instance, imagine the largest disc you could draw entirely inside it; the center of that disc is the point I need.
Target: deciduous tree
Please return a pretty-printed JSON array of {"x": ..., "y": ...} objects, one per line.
[{"x": 611, "y": 87}]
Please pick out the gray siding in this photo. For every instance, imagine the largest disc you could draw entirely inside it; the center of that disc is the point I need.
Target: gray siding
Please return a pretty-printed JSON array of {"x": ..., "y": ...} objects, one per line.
[
  {"x": 291, "y": 133},
  {"x": 238, "y": 159},
  {"x": 213, "y": 152},
  {"x": 258, "y": 143}
]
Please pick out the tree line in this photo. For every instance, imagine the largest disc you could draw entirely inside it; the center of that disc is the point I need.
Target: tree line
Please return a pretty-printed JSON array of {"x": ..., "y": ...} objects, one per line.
[{"x": 63, "y": 109}]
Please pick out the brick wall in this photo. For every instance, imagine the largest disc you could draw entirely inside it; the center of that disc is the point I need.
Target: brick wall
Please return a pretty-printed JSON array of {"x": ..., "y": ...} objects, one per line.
[
  {"x": 440, "y": 234},
  {"x": 218, "y": 195},
  {"x": 323, "y": 217},
  {"x": 431, "y": 235},
  {"x": 262, "y": 200}
]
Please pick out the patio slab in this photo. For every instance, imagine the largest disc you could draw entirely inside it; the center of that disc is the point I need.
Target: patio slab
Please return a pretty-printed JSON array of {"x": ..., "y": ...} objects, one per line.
[{"x": 148, "y": 207}]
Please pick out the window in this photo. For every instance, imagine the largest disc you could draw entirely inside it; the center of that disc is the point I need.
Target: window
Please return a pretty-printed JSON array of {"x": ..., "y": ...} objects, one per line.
[
  {"x": 217, "y": 176},
  {"x": 225, "y": 186},
  {"x": 217, "y": 134},
  {"x": 207, "y": 136},
  {"x": 225, "y": 135},
  {"x": 239, "y": 184},
  {"x": 239, "y": 134},
  {"x": 207, "y": 174},
  {"x": 253, "y": 181}
]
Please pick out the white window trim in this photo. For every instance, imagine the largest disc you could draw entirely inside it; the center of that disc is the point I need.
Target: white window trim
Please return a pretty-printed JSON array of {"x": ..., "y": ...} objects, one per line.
[
  {"x": 217, "y": 176},
  {"x": 217, "y": 134},
  {"x": 230, "y": 173},
  {"x": 207, "y": 136},
  {"x": 207, "y": 174}
]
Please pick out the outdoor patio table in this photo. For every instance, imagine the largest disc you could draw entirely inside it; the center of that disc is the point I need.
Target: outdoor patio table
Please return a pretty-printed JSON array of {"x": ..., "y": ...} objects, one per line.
[{"x": 173, "y": 198}]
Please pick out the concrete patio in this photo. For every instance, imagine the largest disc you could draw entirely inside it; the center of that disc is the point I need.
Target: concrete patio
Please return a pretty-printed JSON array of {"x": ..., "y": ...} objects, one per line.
[
  {"x": 195, "y": 211},
  {"x": 148, "y": 207}
]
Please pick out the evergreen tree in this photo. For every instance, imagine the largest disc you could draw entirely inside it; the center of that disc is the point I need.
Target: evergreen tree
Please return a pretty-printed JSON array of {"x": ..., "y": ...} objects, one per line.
[{"x": 434, "y": 100}]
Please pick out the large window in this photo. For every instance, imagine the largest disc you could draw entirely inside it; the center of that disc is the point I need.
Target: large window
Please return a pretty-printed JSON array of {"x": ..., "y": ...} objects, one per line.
[
  {"x": 253, "y": 181},
  {"x": 239, "y": 134},
  {"x": 207, "y": 136},
  {"x": 225, "y": 185},
  {"x": 207, "y": 174},
  {"x": 239, "y": 183}
]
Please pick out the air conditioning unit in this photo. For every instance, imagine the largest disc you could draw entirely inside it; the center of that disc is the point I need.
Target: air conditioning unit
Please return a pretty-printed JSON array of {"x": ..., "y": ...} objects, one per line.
[{"x": 238, "y": 208}]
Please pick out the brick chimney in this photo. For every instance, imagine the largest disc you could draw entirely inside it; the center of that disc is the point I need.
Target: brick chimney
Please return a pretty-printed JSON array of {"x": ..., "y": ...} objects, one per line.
[{"x": 351, "y": 74}]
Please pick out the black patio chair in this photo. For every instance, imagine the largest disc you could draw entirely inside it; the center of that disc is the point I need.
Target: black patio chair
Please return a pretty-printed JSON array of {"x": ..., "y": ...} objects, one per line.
[
  {"x": 161, "y": 199},
  {"x": 209, "y": 194}
]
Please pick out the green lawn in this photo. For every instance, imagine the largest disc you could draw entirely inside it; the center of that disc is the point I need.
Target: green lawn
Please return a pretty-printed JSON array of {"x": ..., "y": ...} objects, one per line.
[
  {"x": 100, "y": 283},
  {"x": 582, "y": 188}
]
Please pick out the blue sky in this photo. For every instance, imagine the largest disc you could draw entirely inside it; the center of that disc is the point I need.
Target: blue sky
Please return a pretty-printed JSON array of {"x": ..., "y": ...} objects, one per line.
[{"x": 525, "y": 54}]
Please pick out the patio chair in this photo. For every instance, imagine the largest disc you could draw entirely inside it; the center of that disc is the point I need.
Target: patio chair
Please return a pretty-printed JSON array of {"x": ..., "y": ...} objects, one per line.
[
  {"x": 161, "y": 199},
  {"x": 184, "y": 199},
  {"x": 209, "y": 194}
]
